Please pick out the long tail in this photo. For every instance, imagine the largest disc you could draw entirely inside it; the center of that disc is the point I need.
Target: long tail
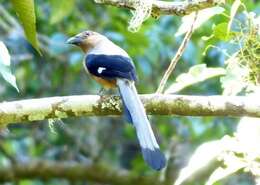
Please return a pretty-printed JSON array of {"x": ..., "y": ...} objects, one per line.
[{"x": 150, "y": 149}]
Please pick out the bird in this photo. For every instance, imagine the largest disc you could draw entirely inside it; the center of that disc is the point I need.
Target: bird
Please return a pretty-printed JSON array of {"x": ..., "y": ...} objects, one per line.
[{"x": 112, "y": 67}]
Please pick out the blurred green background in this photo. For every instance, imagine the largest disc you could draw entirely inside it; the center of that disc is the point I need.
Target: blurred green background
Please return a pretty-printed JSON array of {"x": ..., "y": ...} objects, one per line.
[{"x": 107, "y": 140}]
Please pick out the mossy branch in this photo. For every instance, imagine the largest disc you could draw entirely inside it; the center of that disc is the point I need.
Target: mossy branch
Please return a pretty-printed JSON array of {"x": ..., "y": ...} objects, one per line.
[
  {"x": 166, "y": 7},
  {"x": 156, "y": 104}
]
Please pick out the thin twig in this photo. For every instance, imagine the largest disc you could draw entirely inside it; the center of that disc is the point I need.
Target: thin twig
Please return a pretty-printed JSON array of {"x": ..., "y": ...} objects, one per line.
[{"x": 177, "y": 56}]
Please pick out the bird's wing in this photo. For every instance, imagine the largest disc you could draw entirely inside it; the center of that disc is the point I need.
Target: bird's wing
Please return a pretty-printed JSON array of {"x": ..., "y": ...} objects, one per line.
[{"x": 110, "y": 66}]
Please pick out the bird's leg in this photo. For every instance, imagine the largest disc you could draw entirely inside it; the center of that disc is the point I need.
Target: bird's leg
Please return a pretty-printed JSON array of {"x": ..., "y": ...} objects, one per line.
[
  {"x": 104, "y": 91},
  {"x": 101, "y": 92}
]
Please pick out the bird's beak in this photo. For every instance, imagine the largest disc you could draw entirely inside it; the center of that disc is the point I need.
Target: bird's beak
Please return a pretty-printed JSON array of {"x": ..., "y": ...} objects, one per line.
[{"x": 74, "y": 40}]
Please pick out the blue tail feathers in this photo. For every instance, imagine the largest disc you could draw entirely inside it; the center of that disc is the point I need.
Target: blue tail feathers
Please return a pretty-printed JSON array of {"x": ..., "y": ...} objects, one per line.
[
  {"x": 155, "y": 158},
  {"x": 135, "y": 113},
  {"x": 126, "y": 112}
]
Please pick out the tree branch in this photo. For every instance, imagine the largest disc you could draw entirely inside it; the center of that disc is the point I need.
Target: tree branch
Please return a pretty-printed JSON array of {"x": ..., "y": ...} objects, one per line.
[
  {"x": 46, "y": 170},
  {"x": 177, "y": 56},
  {"x": 167, "y": 8},
  {"x": 94, "y": 105}
]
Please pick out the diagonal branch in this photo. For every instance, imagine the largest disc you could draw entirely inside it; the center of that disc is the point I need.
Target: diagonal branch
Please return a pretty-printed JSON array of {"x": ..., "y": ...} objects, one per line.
[
  {"x": 177, "y": 56},
  {"x": 167, "y": 7},
  {"x": 156, "y": 104}
]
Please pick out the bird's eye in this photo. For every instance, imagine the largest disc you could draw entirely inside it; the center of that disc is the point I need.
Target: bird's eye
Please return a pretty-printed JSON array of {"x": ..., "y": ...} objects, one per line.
[{"x": 87, "y": 34}]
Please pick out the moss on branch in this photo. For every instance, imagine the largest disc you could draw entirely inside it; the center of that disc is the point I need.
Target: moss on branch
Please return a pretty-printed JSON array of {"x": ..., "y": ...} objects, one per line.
[
  {"x": 167, "y": 7},
  {"x": 156, "y": 104}
]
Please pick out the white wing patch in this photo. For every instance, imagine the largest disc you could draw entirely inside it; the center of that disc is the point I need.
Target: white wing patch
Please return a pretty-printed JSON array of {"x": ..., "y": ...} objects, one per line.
[{"x": 101, "y": 69}]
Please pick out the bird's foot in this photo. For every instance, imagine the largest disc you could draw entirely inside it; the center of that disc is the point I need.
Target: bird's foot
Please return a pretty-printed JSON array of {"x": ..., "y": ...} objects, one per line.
[{"x": 101, "y": 92}]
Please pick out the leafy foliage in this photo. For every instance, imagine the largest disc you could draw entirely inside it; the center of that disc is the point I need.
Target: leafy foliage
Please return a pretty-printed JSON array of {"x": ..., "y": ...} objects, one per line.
[
  {"x": 26, "y": 13},
  {"x": 196, "y": 74},
  {"x": 5, "y": 61},
  {"x": 241, "y": 150},
  {"x": 203, "y": 16},
  {"x": 204, "y": 154},
  {"x": 238, "y": 152}
]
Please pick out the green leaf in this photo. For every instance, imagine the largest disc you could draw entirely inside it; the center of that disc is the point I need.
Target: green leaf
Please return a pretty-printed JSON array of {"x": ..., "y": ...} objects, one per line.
[
  {"x": 220, "y": 31},
  {"x": 233, "y": 11},
  {"x": 26, "y": 14},
  {"x": 5, "y": 70},
  {"x": 196, "y": 74},
  {"x": 203, "y": 16},
  {"x": 204, "y": 154},
  {"x": 61, "y": 9}
]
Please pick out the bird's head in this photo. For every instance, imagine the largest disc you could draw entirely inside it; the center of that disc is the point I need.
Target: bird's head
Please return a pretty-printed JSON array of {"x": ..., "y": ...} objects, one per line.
[{"x": 86, "y": 40}]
